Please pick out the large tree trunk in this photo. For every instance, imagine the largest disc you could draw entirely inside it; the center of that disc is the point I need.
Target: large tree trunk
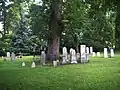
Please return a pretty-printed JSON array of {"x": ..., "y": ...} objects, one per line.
[
  {"x": 53, "y": 48},
  {"x": 55, "y": 30}
]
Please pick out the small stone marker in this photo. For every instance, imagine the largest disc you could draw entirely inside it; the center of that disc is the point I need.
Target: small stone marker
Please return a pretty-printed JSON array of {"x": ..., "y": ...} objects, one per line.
[
  {"x": 94, "y": 54},
  {"x": 33, "y": 65},
  {"x": 55, "y": 63},
  {"x": 43, "y": 57},
  {"x": 8, "y": 54},
  {"x": 12, "y": 56},
  {"x": 105, "y": 53},
  {"x": 73, "y": 57},
  {"x": 23, "y": 64},
  {"x": 112, "y": 52},
  {"x": 64, "y": 56},
  {"x": 91, "y": 50},
  {"x": 98, "y": 54}
]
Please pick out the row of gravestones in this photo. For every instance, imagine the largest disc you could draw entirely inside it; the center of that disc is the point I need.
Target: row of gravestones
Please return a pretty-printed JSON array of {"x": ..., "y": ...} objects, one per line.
[
  {"x": 105, "y": 54},
  {"x": 81, "y": 57},
  {"x": 73, "y": 58},
  {"x": 12, "y": 56}
]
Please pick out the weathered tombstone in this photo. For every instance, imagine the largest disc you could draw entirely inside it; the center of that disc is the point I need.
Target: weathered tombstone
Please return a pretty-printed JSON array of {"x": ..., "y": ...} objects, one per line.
[
  {"x": 105, "y": 53},
  {"x": 78, "y": 57},
  {"x": 98, "y": 54},
  {"x": 91, "y": 50},
  {"x": 12, "y": 56},
  {"x": 73, "y": 56},
  {"x": 23, "y": 64},
  {"x": 64, "y": 56},
  {"x": 71, "y": 49},
  {"x": 83, "y": 53},
  {"x": 87, "y": 54},
  {"x": 87, "y": 57},
  {"x": 43, "y": 57},
  {"x": 8, "y": 54},
  {"x": 87, "y": 50},
  {"x": 93, "y": 54},
  {"x": 55, "y": 63},
  {"x": 112, "y": 52},
  {"x": 33, "y": 65}
]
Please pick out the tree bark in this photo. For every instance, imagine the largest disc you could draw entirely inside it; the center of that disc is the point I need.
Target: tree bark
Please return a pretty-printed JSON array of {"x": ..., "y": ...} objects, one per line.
[
  {"x": 55, "y": 30},
  {"x": 53, "y": 48}
]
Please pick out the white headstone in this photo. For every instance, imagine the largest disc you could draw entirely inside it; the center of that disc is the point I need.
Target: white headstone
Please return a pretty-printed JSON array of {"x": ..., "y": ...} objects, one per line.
[
  {"x": 43, "y": 57},
  {"x": 91, "y": 50},
  {"x": 105, "y": 53},
  {"x": 55, "y": 63},
  {"x": 112, "y": 53},
  {"x": 33, "y": 65},
  {"x": 87, "y": 50},
  {"x": 8, "y": 54},
  {"x": 83, "y": 53},
  {"x": 94, "y": 54},
  {"x": 23, "y": 64},
  {"x": 64, "y": 55},
  {"x": 98, "y": 54},
  {"x": 73, "y": 57},
  {"x": 12, "y": 56}
]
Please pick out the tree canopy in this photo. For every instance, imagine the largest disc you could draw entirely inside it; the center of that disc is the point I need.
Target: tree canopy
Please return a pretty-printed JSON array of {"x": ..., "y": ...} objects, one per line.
[{"x": 61, "y": 23}]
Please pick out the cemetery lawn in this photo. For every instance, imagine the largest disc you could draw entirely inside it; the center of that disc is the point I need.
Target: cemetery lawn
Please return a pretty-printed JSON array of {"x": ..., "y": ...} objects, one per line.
[{"x": 98, "y": 74}]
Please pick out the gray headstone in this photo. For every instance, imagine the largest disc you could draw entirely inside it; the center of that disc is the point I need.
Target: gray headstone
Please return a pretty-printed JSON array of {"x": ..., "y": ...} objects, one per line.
[
  {"x": 73, "y": 57},
  {"x": 78, "y": 57},
  {"x": 71, "y": 49},
  {"x": 12, "y": 56},
  {"x": 87, "y": 57},
  {"x": 43, "y": 57}
]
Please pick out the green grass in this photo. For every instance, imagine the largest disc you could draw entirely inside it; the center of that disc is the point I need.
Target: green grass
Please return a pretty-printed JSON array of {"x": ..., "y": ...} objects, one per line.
[{"x": 98, "y": 74}]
